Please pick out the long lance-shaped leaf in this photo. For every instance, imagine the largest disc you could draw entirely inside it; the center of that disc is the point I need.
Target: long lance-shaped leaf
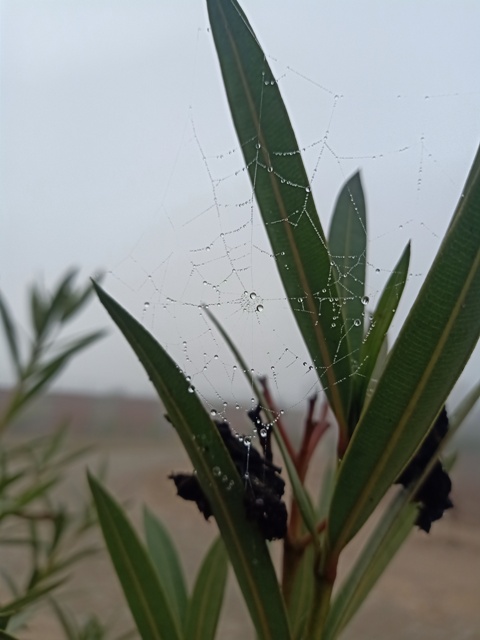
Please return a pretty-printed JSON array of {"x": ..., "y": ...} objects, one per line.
[
  {"x": 304, "y": 503},
  {"x": 146, "y": 598},
  {"x": 216, "y": 473},
  {"x": 285, "y": 200},
  {"x": 164, "y": 556},
  {"x": 11, "y": 335},
  {"x": 432, "y": 349},
  {"x": 392, "y": 531},
  {"x": 381, "y": 320},
  {"x": 347, "y": 240},
  {"x": 208, "y": 593},
  {"x": 388, "y": 536}
]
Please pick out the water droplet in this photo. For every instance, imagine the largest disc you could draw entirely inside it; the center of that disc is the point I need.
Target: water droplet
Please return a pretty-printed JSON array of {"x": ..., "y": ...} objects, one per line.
[
  {"x": 215, "y": 357},
  {"x": 237, "y": 407},
  {"x": 216, "y": 471},
  {"x": 263, "y": 433},
  {"x": 282, "y": 412},
  {"x": 357, "y": 322},
  {"x": 270, "y": 169},
  {"x": 258, "y": 146},
  {"x": 213, "y": 412},
  {"x": 365, "y": 300},
  {"x": 146, "y": 304},
  {"x": 207, "y": 249},
  {"x": 377, "y": 270},
  {"x": 191, "y": 389},
  {"x": 205, "y": 283},
  {"x": 307, "y": 189},
  {"x": 259, "y": 308},
  {"x": 184, "y": 343},
  {"x": 253, "y": 295}
]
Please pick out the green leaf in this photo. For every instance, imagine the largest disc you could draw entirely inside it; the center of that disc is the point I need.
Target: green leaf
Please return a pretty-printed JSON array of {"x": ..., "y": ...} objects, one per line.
[
  {"x": 389, "y": 535},
  {"x": 431, "y": 351},
  {"x": 245, "y": 546},
  {"x": 165, "y": 558},
  {"x": 6, "y": 636},
  {"x": 11, "y": 336},
  {"x": 32, "y": 596},
  {"x": 38, "y": 311},
  {"x": 49, "y": 370},
  {"x": 66, "y": 620},
  {"x": 381, "y": 321},
  {"x": 299, "y": 491},
  {"x": 208, "y": 593},
  {"x": 146, "y": 598},
  {"x": 302, "y": 593},
  {"x": 348, "y": 247},
  {"x": 282, "y": 190}
]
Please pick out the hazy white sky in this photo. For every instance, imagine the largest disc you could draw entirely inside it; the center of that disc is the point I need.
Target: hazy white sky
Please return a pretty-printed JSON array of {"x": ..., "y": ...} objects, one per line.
[{"x": 116, "y": 137}]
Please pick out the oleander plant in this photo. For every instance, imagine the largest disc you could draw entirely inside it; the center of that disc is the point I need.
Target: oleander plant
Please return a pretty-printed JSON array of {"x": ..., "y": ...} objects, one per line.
[
  {"x": 386, "y": 404},
  {"x": 45, "y": 533}
]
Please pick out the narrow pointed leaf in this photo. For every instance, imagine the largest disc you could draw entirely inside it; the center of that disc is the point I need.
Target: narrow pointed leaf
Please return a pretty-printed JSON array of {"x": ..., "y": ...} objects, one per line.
[
  {"x": 167, "y": 563},
  {"x": 390, "y": 533},
  {"x": 302, "y": 497},
  {"x": 11, "y": 335},
  {"x": 31, "y": 597},
  {"x": 431, "y": 351},
  {"x": 246, "y": 548},
  {"x": 51, "y": 369},
  {"x": 66, "y": 620},
  {"x": 381, "y": 320},
  {"x": 207, "y": 597},
  {"x": 282, "y": 190},
  {"x": 348, "y": 247},
  {"x": 396, "y": 524},
  {"x": 302, "y": 593},
  {"x": 146, "y": 599}
]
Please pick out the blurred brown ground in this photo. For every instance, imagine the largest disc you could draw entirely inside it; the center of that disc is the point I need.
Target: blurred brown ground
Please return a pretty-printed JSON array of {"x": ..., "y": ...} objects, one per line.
[{"x": 430, "y": 590}]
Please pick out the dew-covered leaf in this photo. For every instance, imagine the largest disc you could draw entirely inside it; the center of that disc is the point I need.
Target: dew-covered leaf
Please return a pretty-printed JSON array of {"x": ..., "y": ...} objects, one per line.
[
  {"x": 347, "y": 240},
  {"x": 283, "y": 193},
  {"x": 431, "y": 351},
  {"x": 216, "y": 472}
]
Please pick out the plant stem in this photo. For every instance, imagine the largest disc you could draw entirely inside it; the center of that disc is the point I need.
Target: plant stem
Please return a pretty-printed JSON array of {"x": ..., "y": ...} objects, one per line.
[{"x": 322, "y": 593}]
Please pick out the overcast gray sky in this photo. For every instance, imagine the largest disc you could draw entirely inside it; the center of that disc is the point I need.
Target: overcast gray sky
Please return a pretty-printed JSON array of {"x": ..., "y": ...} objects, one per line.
[{"x": 116, "y": 137}]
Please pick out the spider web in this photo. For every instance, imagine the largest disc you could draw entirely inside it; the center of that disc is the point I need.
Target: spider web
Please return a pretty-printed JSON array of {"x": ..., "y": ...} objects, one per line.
[{"x": 210, "y": 246}]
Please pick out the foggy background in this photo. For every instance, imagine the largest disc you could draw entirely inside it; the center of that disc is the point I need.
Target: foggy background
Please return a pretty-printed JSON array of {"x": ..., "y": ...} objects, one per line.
[{"x": 118, "y": 155}]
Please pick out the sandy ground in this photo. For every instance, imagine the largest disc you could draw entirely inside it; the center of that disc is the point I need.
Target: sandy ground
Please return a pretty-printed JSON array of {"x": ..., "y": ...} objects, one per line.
[{"x": 430, "y": 590}]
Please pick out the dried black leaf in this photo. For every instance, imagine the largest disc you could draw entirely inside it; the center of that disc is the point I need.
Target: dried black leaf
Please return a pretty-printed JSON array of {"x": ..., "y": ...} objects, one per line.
[
  {"x": 264, "y": 487},
  {"x": 433, "y": 495}
]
